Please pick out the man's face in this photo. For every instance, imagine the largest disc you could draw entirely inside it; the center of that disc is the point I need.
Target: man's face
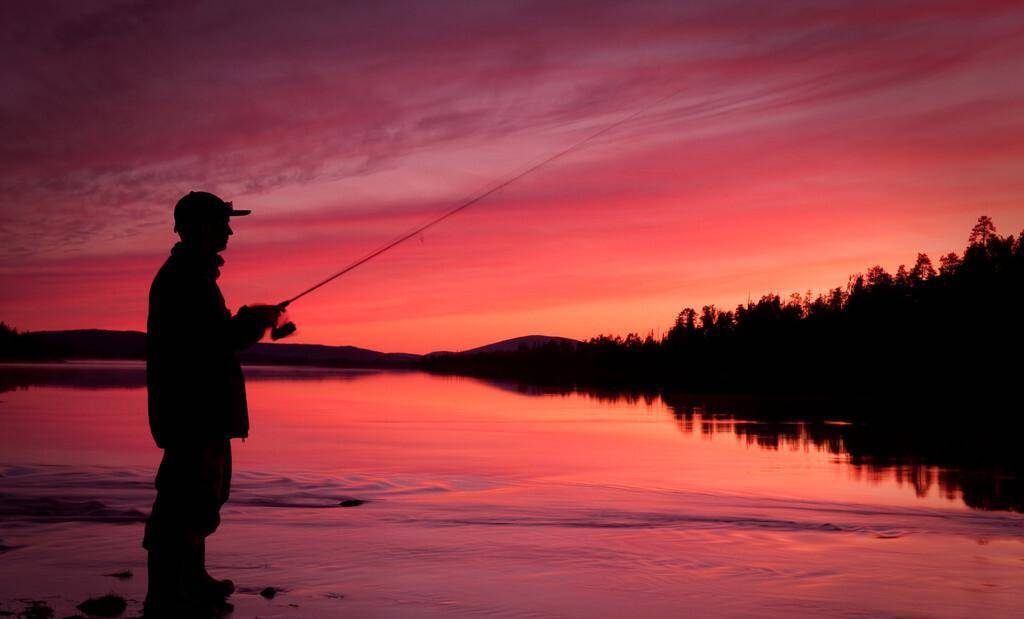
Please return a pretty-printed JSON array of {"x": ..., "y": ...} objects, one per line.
[
  {"x": 219, "y": 233},
  {"x": 212, "y": 235}
]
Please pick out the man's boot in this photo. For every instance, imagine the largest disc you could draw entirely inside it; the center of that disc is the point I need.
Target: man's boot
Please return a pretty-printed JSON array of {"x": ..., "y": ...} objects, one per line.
[
  {"x": 169, "y": 597},
  {"x": 211, "y": 586},
  {"x": 164, "y": 595}
]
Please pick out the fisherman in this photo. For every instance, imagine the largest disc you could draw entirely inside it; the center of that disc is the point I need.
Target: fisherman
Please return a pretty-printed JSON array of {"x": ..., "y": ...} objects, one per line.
[{"x": 196, "y": 405}]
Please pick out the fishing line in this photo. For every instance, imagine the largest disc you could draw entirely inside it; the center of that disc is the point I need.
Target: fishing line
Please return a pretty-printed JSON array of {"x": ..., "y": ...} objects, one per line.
[{"x": 470, "y": 202}]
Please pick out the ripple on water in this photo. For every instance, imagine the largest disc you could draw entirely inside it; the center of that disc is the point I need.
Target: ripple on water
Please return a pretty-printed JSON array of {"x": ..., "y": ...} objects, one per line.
[{"x": 57, "y": 493}]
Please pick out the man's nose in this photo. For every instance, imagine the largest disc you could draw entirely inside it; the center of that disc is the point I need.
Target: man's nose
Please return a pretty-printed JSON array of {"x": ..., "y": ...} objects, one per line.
[{"x": 230, "y": 231}]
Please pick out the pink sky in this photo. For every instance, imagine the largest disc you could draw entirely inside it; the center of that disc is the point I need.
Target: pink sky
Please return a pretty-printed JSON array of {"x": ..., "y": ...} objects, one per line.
[{"x": 807, "y": 141}]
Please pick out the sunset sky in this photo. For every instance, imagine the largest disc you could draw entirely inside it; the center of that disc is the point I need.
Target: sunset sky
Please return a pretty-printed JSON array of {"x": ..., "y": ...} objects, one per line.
[{"x": 807, "y": 141}]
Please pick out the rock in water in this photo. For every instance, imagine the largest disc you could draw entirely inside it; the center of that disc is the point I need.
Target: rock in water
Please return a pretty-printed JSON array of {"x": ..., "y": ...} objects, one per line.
[
  {"x": 268, "y": 592},
  {"x": 105, "y": 606},
  {"x": 36, "y": 610},
  {"x": 351, "y": 503}
]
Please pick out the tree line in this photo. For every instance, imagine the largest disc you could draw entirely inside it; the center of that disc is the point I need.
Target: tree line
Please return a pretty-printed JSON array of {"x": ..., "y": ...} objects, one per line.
[
  {"x": 939, "y": 329},
  {"x": 18, "y": 346}
]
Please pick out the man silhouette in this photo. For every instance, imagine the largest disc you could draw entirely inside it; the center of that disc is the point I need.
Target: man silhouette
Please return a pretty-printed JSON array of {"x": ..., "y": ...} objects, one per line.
[{"x": 196, "y": 405}]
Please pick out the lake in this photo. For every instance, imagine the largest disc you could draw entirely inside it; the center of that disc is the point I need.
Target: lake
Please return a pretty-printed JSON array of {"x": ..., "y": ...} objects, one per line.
[{"x": 489, "y": 500}]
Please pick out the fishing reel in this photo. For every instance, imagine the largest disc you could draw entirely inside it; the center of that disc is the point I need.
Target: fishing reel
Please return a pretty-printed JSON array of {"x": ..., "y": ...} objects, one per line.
[
  {"x": 284, "y": 327},
  {"x": 283, "y": 330}
]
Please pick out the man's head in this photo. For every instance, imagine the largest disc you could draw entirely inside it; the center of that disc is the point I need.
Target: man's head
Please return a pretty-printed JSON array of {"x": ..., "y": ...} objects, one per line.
[{"x": 201, "y": 220}]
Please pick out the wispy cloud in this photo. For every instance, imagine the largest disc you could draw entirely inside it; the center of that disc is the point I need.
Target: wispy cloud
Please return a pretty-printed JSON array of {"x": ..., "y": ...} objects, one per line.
[{"x": 344, "y": 123}]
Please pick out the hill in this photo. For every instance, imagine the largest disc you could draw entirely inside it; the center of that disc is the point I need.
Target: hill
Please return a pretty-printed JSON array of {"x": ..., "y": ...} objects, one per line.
[
  {"x": 107, "y": 344},
  {"x": 104, "y": 344},
  {"x": 513, "y": 344}
]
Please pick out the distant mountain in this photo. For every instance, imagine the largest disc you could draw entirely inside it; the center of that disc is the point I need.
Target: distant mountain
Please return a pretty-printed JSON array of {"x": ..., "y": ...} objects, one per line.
[
  {"x": 317, "y": 354},
  {"x": 102, "y": 344},
  {"x": 525, "y": 341},
  {"x": 91, "y": 343}
]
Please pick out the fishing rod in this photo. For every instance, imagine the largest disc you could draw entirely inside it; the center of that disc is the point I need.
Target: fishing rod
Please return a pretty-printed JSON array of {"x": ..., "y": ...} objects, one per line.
[{"x": 288, "y": 328}]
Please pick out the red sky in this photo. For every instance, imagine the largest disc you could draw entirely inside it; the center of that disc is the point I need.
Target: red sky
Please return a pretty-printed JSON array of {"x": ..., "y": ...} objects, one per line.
[{"x": 808, "y": 141}]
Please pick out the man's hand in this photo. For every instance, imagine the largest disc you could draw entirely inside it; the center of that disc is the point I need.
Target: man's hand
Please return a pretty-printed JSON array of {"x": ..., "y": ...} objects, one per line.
[{"x": 265, "y": 316}]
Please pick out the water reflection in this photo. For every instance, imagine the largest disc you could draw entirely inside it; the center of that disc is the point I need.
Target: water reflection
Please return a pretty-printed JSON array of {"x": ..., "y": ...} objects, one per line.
[
  {"x": 977, "y": 462},
  {"x": 132, "y": 374},
  {"x": 922, "y": 457},
  {"x": 981, "y": 463}
]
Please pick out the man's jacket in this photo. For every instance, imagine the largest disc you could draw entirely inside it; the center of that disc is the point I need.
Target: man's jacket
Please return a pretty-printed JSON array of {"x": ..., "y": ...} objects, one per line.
[{"x": 195, "y": 383}]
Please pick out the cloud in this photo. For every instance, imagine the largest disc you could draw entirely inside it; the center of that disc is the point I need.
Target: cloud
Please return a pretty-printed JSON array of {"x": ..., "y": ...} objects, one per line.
[
  {"x": 345, "y": 123},
  {"x": 128, "y": 105}
]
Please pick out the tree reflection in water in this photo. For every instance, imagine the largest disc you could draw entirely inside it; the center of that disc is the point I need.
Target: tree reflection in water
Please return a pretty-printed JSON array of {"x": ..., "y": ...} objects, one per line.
[
  {"x": 922, "y": 444},
  {"x": 926, "y": 445}
]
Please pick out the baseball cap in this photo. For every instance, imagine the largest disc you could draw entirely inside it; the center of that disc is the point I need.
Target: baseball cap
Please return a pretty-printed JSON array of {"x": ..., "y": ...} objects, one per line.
[{"x": 203, "y": 205}]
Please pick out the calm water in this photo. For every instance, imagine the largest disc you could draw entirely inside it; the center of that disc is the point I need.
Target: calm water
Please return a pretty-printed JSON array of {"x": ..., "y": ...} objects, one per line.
[{"x": 487, "y": 502}]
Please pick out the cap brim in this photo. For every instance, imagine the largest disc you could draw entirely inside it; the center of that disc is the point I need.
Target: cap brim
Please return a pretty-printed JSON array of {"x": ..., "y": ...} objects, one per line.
[{"x": 237, "y": 212}]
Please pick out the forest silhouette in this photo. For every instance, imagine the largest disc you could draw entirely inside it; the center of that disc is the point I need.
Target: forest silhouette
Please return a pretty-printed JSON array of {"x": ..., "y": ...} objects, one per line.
[{"x": 927, "y": 331}]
